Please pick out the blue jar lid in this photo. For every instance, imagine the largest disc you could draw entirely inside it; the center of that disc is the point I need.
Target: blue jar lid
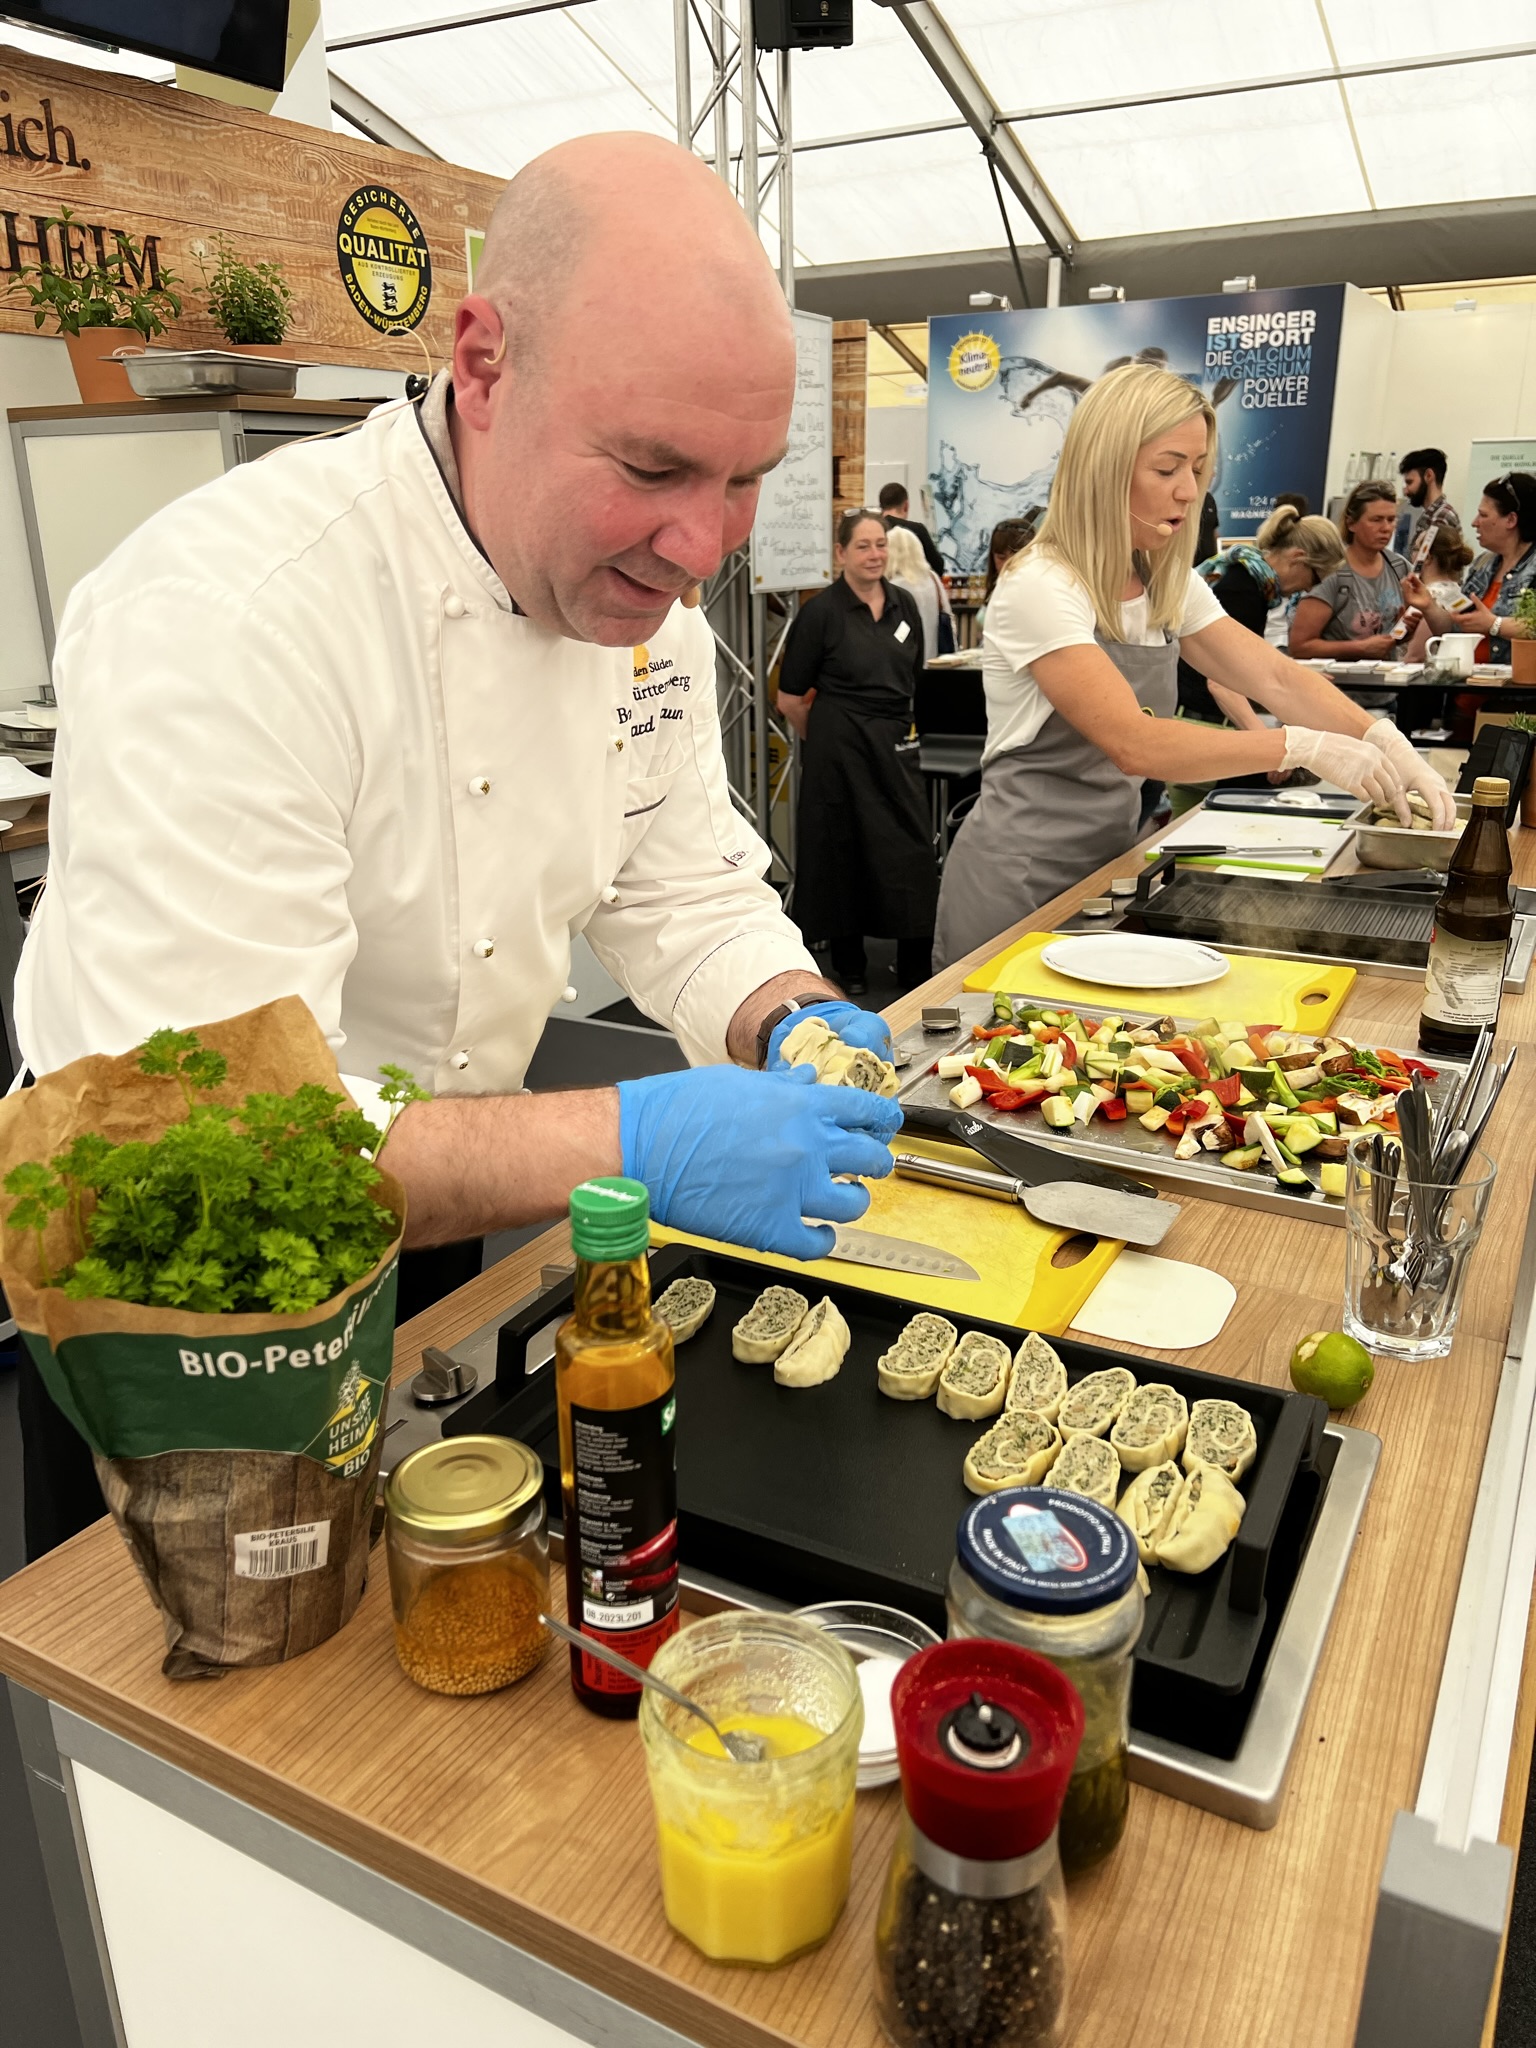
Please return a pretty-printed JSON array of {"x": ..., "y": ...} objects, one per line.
[{"x": 1050, "y": 1552}]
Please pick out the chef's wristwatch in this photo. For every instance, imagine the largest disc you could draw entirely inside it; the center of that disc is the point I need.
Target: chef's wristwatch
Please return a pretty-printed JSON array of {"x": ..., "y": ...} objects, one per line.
[{"x": 775, "y": 1018}]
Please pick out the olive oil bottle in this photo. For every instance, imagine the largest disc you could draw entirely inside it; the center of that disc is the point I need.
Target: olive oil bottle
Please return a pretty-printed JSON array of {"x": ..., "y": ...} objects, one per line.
[
  {"x": 618, "y": 1446},
  {"x": 1473, "y": 920}
]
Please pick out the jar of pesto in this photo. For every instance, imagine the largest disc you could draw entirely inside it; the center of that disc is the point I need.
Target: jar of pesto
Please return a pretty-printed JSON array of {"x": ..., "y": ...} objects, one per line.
[{"x": 1057, "y": 1574}]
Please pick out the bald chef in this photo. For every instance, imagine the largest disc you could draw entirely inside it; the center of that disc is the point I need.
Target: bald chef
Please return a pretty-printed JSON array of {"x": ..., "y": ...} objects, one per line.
[{"x": 386, "y": 719}]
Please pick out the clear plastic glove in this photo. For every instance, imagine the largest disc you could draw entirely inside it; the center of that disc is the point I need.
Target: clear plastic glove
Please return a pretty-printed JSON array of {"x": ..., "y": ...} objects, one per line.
[
  {"x": 853, "y": 1026},
  {"x": 1354, "y": 765},
  {"x": 747, "y": 1157},
  {"x": 1416, "y": 773}
]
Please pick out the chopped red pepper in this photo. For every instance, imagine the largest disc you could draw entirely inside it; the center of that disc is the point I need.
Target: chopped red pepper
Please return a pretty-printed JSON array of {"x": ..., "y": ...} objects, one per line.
[
  {"x": 982, "y": 1031},
  {"x": 1391, "y": 1084},
  {"x": 992, "y": 1084},
  {"x": 1114, "y": 1110},
  {"x": 1007, "y": 1098},
  {"x": 1418, "y": 1067},
  {"x": 1227, "y": 1090},
  {"x": 1194, "y": 1061}
]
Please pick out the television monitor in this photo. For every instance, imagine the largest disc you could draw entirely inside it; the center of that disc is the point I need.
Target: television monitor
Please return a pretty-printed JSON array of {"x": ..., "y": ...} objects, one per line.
[{"x": 244, "y": 39}]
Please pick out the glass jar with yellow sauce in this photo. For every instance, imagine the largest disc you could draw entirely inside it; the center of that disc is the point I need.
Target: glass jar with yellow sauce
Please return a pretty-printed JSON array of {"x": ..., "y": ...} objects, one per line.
[
  {"x": 754, "y": 1857},
  {"x": 468, "y": 1548}
]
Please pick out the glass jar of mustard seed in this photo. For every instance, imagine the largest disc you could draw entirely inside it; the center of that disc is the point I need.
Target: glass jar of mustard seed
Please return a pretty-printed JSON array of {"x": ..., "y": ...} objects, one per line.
[
  {"x": 468, "y": 1550},
  {"x": 1057, "y": 1574}
]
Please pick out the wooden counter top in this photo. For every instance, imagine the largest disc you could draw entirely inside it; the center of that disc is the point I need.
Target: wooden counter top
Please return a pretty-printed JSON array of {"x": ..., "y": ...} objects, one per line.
[{"x": 531, "y": 1818}]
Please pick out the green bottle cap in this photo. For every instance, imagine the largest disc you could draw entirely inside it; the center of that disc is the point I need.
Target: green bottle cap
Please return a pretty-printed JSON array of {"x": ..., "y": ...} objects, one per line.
[{"x": 610, "y": 1219}]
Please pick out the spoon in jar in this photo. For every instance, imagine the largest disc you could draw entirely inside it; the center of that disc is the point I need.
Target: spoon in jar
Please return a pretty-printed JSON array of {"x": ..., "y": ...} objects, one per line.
[{"x": 742, "y": 1749}]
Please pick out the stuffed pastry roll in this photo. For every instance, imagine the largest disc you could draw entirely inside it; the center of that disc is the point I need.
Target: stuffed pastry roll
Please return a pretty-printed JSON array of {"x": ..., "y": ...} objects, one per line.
[
  {"x": 1088, "y": 1465},
  {"x": 1206, "y": 1516},
  {"x": 1220, "y": 1434},
  {"x": 1019, "y": 1450},
  {"x": 910, "y": 1370},
  {"x": 685, "y": 1307},
  {"x": 1147, "y": 1505},
  {"x": 817, "y": 1349},
  {"x": 768, "y": 1325},
  {"x": 1095, "y": 1402},
  {"x": 809, "y": 1042},
  {"x": 975, "y": 1377},
  {"x": 1151, "y": 1427},
  {"x": 813, "y": 1043},
  {"x": 1038, "y": 1381}
]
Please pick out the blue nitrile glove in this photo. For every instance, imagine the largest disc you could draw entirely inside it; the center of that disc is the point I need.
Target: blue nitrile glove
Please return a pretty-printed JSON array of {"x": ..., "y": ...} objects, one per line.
[
  {"x": 744, "y": 1157},
  {"x": 852, "y": 1025}
]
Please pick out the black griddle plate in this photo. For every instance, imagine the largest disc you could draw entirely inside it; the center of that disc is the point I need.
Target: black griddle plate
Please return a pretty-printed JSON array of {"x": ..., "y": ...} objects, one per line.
[
  {"x": 839, "y": 1492},
  {"x": 1386, "y": 926}
]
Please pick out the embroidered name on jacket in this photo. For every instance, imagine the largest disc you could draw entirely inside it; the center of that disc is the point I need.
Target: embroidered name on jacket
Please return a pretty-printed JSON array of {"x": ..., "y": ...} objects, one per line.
[{"x": 655, "y": 686}]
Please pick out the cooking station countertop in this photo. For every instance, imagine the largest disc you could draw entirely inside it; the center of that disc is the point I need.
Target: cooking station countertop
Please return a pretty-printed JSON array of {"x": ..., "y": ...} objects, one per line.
[{"x": 524, "y": 1817}]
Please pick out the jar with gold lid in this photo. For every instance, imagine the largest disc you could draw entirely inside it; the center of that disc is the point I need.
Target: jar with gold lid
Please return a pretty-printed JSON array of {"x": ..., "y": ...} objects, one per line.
[{"x": 468, "y": 1547}]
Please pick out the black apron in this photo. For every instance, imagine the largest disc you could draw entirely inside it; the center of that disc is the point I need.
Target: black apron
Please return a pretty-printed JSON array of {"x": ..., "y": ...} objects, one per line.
[
  {"x": 864, "y": 860},
  {"x": 1048, "y": 814}
]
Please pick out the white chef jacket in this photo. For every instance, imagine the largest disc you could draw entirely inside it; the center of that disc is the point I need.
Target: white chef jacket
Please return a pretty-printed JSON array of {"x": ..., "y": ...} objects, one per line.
[{"x": 307, "y": 744}]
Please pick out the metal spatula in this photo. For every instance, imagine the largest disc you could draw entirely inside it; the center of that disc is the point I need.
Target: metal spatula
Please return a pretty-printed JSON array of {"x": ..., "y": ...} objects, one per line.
[{"x": 1062, "y": 1204}]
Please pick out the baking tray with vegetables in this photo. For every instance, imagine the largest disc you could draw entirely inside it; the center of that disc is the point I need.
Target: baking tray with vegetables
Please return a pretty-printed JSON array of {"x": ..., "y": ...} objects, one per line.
[
  {"x": 1249, "y": 1114},
  {"x": 835, "y": 1459}
]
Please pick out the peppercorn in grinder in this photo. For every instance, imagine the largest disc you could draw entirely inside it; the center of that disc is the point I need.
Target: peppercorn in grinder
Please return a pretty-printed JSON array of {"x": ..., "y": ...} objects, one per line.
[{"x": 970, "y": 1944}]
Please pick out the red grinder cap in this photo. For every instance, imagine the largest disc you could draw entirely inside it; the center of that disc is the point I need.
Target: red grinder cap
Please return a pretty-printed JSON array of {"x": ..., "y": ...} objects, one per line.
[{"x": 987, "y": 1734}]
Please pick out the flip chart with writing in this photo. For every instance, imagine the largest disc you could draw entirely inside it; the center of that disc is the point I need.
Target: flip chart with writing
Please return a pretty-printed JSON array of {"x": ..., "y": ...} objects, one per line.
[{"x": 792, "y": 539}]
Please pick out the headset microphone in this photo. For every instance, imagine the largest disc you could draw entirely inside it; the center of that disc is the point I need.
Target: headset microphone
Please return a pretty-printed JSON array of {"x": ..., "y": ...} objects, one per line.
[{"x": 1157, "y": 525}]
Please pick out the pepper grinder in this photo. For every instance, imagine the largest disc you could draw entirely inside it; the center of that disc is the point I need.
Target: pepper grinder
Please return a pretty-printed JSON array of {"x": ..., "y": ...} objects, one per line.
[{"x": 970, "y": 1945}]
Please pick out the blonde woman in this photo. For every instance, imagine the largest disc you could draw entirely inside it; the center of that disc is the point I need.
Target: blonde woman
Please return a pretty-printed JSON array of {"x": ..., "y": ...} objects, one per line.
[
  {"x": 905, "y": 565},
  {"x": 1288, "y": 554},
  {"x": 1083, "y": 639}
]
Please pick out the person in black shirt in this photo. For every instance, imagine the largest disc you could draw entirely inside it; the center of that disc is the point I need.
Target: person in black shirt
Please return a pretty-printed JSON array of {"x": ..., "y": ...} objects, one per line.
[
  {"x": 894, "y": 506},
  {"x": 1288, "y": 554},
  {"x": 864, "y": 858}
]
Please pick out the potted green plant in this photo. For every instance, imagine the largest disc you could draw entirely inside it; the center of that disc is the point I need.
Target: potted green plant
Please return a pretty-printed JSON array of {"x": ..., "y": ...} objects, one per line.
[
  {"x": 251, "y": 303},
  {"x": 97, "y": 305},
  {"x": 1522, "y": 653}
]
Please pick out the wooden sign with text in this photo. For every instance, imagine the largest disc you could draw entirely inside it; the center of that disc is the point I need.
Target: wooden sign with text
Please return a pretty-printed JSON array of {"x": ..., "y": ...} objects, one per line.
[{"x": 363, "y": 234}]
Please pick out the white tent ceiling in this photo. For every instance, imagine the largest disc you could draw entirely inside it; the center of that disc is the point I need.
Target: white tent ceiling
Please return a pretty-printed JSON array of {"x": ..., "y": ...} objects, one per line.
[{"x": 493, "y": 95}]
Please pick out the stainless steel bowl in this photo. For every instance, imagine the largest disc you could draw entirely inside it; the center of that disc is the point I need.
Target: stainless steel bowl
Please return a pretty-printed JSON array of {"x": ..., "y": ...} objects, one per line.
[
  {"x": 209, "y": 373},
  {"x": 1397, "y": 846}
]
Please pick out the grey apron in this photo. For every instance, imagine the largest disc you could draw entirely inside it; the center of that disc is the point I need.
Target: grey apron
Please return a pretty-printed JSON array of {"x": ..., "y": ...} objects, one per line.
[{"x": 1048, "y": 814}]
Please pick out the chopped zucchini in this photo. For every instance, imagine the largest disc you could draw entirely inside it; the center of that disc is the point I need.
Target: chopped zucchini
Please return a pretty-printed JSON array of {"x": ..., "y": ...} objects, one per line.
[
  {"x": 1139, "y": 1100},
  {"x": 1293, "y": 1177},
  {"x": 1301, "y": 1137},
  {"x": 1058, "y": 1112},
  {"x": 1153, "y": 1119},
  {"x": 1334, "y": 1178},
  {"x": 1243, "y": 1157},
  {"x": 969, "y": 1091}
]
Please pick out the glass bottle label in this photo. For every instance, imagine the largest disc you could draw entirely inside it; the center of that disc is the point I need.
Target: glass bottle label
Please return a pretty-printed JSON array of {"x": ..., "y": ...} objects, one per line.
[
  {"x": 625, "y": 1539},
  {"x": 1464, "y": 979}
]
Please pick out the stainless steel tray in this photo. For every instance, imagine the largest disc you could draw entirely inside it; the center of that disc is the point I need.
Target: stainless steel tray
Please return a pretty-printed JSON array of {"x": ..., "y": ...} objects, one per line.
[
  {"x": 209, "y": 373},
  {"x": 1125, "y": 1145}
]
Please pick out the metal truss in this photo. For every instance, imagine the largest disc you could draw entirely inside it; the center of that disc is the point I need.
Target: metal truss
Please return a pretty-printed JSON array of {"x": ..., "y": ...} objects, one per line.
[{"x": 739, "y": 122}]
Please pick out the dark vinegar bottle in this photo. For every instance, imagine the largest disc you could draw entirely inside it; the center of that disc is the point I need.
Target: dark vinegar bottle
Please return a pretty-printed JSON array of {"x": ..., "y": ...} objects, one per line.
[
  {"x": 1473, "y": 920},
  {"x": 618, "y": 1446}
]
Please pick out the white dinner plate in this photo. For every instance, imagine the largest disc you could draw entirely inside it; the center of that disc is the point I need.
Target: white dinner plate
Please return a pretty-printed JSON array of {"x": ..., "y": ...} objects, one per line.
[{"x": 1135, "y": 960}]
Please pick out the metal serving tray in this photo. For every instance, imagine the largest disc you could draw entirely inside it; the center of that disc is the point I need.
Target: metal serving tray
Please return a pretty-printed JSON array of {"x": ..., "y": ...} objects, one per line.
[
  {"x": 1125, "y": 1145},
  {"x": 209, "y": 373}
]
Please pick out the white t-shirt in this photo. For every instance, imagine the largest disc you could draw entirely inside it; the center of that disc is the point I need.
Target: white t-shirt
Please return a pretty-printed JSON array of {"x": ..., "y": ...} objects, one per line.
[{"x": 1039, "y": 606}]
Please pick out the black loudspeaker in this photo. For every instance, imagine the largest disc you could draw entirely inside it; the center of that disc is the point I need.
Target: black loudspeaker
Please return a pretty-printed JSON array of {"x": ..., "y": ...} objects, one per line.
[{"x": 803, "y": 24}]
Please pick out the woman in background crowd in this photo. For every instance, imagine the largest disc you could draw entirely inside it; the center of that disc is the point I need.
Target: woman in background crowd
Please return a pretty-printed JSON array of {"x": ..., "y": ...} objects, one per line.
[
  {"x": 1506, "y": 526},
  {"x": 1287, "y": 554},
  {"x": 1008, "y": 536},
  {"x": 1351, "y": 613},
  {"x": 864, "y": 860},
  {"x": 907, "y": 568}
]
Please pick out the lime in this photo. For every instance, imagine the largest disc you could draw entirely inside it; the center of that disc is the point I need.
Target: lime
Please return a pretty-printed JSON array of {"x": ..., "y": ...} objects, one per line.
[{"x": 1332, "y": 1365}]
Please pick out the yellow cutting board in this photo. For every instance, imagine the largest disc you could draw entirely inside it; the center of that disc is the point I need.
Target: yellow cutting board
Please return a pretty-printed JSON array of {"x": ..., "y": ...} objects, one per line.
[
  {"x": 1010, "y": 1251},
  {"x": 1293, "y": 995}
]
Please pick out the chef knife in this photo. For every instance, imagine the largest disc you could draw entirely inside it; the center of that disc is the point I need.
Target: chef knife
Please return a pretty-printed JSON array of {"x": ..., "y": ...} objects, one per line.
[
  {"x": 1102, "y": 1212},
  {"x": 1020, "y": 1158},
  {"x": 899, "y": 1255}
]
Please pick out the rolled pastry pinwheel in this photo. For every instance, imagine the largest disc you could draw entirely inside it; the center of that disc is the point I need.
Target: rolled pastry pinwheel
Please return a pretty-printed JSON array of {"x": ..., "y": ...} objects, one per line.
[
  {"x": 685, "y": 1307},
  {"x": 838, "y": 1065},
  {"x": 1095, "y": 1402},
  {"x": 1207, "y": 1514},
  {"x": 766, "y": 1328},
  {"x": 1147, "y": 1504},
  {"x": 817, "y": 1349},
  {"x": 1038, "y": 1381},
  {"x": 1088, "y": 1465},
  {"x": 975, "y": 1379},
  {"x": 1151, "y": 1426},
  {"x": 1020, "y": 1450},
  {"x": 910, "y": 1370},
  {"x": 1220, "y": 1434}
]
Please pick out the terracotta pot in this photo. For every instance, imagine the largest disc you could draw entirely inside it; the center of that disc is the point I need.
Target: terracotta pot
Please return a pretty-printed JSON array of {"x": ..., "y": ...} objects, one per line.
[
  {"x": 100, "y": 382},
  {"x": 1522, "y": 658}
]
